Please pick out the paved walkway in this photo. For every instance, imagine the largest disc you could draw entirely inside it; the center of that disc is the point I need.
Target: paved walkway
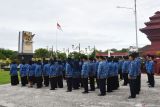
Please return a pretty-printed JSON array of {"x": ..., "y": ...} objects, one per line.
[{"x": 17, "y": 96}]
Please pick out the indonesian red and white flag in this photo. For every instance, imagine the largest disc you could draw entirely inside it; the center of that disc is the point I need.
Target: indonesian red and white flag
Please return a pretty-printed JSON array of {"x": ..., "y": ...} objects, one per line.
[{"x": 59, "y": 26}]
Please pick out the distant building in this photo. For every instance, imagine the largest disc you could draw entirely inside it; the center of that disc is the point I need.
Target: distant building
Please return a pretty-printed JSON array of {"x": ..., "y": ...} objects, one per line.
[
  {"x": 115, "y": 54},
  {"x": 152, "y": 30}
]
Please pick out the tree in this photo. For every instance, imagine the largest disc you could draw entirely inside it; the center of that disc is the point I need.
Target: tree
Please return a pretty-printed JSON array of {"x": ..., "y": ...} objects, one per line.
[
  {"x": 76, "y": 55},
  {"x": 2, "y": 56},
  {"x": 41, "y": 53},
  {"x": 62, "y": 56}
]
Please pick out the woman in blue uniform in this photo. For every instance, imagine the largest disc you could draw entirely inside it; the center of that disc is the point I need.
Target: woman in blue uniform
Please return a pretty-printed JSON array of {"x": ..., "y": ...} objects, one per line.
[{"x": 14, "y": 74}]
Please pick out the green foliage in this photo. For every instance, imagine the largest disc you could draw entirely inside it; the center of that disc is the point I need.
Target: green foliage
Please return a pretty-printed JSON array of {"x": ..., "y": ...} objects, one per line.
[
  {"x": 41, "y": 53},
  {"x": 8, "y": 54},
  {"x": 76, "y": 55},
  {"x": 4, "y": 77},
  {"x": 62, "y": 56}
]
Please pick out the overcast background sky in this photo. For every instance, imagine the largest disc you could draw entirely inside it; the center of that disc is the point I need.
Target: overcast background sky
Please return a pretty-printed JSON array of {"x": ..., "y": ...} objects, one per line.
[{"x": 90, "y": 22}]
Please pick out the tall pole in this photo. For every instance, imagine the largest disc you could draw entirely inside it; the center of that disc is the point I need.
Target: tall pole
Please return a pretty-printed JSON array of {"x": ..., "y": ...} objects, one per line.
[
  {"x": 19, "y": 42},
  {"x": 56, "y": 41},
  {"x": 135, "y": 12},
  {"x": 79, "y": 48}
]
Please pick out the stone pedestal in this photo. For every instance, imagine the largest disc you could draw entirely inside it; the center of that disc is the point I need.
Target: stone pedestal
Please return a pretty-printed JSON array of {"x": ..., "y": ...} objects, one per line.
[{"x": 25, "y": 57}]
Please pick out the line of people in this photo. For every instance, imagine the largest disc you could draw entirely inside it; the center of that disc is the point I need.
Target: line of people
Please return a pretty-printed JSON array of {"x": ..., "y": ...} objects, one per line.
[{"x": 98, "y": 72}]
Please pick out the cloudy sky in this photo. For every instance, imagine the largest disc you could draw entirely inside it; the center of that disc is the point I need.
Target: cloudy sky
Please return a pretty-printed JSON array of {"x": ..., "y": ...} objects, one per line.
[{"x": 89, "y": 22}]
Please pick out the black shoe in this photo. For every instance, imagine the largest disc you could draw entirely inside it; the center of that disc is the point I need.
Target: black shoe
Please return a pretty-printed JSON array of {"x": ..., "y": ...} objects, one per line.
[
  {"x": 101, "y": 94},
  {"x": 85, "y": 92},
  {"x": 92, "y": 90},
  {"x": 151, "y": 86},
  {"x": 52, "y": 89},
  {"x": 109, "y": 91},
  {"x": 130, "y": 97},
  {"x": 68, "y": 91}
]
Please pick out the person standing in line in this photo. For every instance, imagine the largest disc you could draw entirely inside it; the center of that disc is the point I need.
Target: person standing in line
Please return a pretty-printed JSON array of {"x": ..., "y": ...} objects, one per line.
[
  {"x": 102, "y": 74},
  {"x": 69, "y": 74},
  {"x": 110, "y": 75},
  {"x": 132, "y": 76},
  {"x": 23, "y": 74},
  {"x": 59, "y": 74},
  {"x": 125, "y": 67},
  {"x": 76, "y": 74},
  {"x": 115, "y": 81},
  {"x": 53, "y": 75},
  {"x": 14, "y": 74},
  {"x": 46, "y": 69},
  {"x": 150, "y": 70},
  {"x": 97, "y": 64},
  {"x": 138, "y": 69},
  {"x": 146, "y": 67},
  {"x": 92, "y": 72},
  {"x": 85, "y": 74},
  {"x": 120, "y": 62},
  {"x": 38, "y": 74},
  {"x": 30, "y": 74}
]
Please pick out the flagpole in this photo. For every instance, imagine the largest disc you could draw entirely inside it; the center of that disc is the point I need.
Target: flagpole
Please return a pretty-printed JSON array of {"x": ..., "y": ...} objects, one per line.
[{"x": 56, "y": 41}]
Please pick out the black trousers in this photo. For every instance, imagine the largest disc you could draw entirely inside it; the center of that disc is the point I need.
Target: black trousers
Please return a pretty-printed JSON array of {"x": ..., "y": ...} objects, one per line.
[
  {"x": 76, "y": 83},
  {"x": 34, "y": 80},
  {"x": 132, "y": 84},
  {"x": 125, "y": 77},
  {"x": 120, "y": 73},
  {"x": 148, "y": 77},
  {"x": 151, "y": 80},
  {"x": 116, "y": 82},
  {"x": 14, "y": 80},
  {"x": 53, "y": 82},
  {"x": 97, "y": 81},
  {"x": 85, "y": 84},
  {"x": 31, "y": 80},
  {"x": 46, "y": 81},
  {"x": 81, "y": 82},
  {"x": 92, "y": 83},
  {"x": 69, "y": 83},
  {"x": 138, "y": 84},
  {"x": 60, "y": 81},
  {"x": 102, "y": 86},
  {"x": 24, "y": 80},
  {"x": 39, "y": 81},
  {"x": 109, "y": 84}
]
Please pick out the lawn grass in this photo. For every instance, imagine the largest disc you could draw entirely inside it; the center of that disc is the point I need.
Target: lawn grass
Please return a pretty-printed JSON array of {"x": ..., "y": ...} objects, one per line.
[{"x": 4, "y": 77}]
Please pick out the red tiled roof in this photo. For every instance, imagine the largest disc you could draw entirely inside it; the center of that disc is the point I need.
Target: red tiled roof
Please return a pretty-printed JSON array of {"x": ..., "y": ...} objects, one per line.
[{"x": 113, "y": 54}]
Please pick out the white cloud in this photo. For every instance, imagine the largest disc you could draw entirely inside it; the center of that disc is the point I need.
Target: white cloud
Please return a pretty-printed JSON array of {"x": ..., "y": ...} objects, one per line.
[{"x": 90, "y": 22}]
